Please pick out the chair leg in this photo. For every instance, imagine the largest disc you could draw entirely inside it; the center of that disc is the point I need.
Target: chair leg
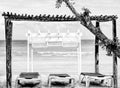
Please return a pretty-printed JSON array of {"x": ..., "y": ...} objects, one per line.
[
  {"x": 112, "y": 83},
  {"x": 87, "y": 81},
  {"x": 80, "y": 79},
  {"x": 39, "y": 85},
  {"x": 17, "y": 85},
  {"x": 49, "y": 83},
  {"x": 72, "y": 82}
]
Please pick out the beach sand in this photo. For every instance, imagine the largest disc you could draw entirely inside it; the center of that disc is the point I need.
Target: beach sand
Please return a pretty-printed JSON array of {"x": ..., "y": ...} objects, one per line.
[{"x": 46, "y": 65}]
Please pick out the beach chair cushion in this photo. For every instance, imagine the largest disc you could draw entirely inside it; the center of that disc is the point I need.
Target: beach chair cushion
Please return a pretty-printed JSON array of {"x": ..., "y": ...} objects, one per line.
[
  {"x": 29, "y": 75},
  {"x": 60, "y": 75}
]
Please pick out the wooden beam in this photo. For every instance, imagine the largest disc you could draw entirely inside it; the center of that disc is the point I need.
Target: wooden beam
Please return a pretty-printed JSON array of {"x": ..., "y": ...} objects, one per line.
[
  {"x": 115, "y": 67},
  {"x": 49, "y": 18},
  {"x": 8, "y": 35},
  {"x": 97, "y": 51}
]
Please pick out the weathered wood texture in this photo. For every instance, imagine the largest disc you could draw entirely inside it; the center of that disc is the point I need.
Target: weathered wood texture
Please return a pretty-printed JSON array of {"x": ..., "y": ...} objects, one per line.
[
  {"x": 115, "y": 66},
  {"x": 8, "y": 35},
  {"x": 97, "y": 51},
  {"x": 44, "y": 17},
  {"x": 86, "y": 22}
]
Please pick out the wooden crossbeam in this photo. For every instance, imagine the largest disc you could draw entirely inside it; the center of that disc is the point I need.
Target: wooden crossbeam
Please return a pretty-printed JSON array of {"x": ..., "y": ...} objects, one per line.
[{"x": 44, "y": 17}]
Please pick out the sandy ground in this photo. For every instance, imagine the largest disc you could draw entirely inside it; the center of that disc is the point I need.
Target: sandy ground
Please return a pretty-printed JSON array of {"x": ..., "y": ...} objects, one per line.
[{"x": 46, "y": 65}]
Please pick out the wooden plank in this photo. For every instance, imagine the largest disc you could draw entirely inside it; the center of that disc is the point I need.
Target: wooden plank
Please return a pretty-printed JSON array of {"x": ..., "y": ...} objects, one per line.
[
  {"x": 8, "y": 35},
  {"x": 97, "y": 51},
  {"x": 44, "y": 17},
  {"x": 115, "y": 67}
]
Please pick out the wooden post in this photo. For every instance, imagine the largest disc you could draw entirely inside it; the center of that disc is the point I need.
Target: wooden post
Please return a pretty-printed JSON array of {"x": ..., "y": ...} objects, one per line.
[
  {"x": 96, "y": 52},
  {"x": 79, "y": 53},
  {"x": 8, "y": 35},
  {"x": 28, "y": 51},
  {"x": 115, "y": 67},
  {"x": 31, "y": 59}
]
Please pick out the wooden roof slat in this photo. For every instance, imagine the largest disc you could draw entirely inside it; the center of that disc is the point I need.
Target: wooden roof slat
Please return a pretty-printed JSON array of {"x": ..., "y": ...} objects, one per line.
[{"x": 45, "y": 17}]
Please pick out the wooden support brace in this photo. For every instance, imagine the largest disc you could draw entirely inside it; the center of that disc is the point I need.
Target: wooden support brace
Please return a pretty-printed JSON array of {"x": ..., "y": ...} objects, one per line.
[
  {"x": 8, "y": 35},
  {"x": 115, "y": 67},
  {"x": 96, "y": 52}
]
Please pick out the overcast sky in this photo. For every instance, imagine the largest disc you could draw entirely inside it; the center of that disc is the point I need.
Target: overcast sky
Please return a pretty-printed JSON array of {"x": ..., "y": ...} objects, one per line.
[{"x": 97, "y": 7}]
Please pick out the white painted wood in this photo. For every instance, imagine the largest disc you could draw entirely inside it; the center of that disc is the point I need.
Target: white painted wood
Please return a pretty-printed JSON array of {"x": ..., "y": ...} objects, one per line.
[{"x": 51, "y": 37}]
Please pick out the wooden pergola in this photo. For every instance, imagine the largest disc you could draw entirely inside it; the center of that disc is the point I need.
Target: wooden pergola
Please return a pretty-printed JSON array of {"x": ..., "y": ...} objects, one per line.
[{"x": 9, "y": 17}]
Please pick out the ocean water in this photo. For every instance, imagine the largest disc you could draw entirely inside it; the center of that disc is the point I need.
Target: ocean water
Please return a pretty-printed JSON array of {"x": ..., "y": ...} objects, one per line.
[
  {"x": 44, "y": 60},
  {"x": 46, "y": 63}
]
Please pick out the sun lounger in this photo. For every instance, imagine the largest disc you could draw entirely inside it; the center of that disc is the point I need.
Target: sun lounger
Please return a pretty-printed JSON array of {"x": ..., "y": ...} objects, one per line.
[
  {"x": 60, "y": 80},
  {"x": 28, "y": 79},
  {"x": 96, "y": 79}
]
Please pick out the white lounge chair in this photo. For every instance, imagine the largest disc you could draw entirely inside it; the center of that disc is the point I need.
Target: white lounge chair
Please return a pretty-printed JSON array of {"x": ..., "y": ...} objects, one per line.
[
  {"x": 96, "y": 79},
  {"x": 28, "y": 79},
  {"x": 61, "y": 80}
]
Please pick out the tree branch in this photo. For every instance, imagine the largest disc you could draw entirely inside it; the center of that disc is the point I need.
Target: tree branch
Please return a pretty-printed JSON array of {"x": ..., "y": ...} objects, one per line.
[{"x": 84, "y": 19}]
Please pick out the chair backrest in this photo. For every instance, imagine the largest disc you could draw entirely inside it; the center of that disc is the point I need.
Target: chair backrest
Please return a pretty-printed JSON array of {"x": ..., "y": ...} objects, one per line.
[{"x": 29, "y": 75}]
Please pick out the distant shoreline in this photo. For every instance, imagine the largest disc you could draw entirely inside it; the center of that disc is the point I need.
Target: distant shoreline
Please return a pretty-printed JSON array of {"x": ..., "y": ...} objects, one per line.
[{"x": 26, "y": 40}]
